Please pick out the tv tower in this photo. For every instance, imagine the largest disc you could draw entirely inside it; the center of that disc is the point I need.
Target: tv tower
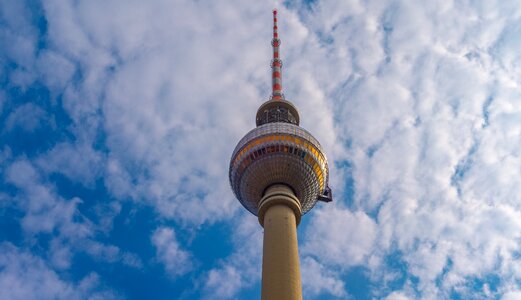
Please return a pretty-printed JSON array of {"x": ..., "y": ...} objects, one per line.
[{"x": 278, "y": 171}]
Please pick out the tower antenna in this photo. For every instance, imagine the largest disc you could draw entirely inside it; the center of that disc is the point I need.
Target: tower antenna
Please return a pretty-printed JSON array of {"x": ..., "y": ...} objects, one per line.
[{"x": 276, "y": 63}]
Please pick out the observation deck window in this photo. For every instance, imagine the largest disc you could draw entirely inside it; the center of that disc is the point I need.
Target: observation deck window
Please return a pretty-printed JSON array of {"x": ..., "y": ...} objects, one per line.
[{"x": 277, "y": 114}]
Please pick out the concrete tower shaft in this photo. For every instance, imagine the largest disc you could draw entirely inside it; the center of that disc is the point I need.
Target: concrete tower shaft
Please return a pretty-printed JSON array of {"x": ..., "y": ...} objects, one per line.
[{"x": 279, "y": 214}]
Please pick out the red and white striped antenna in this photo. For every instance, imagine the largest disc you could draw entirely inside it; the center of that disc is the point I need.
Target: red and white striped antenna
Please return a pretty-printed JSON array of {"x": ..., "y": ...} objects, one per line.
[{"x": 276, "y": 63}]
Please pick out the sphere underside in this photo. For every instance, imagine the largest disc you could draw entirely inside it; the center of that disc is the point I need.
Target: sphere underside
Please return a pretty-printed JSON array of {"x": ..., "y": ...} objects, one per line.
[{"x": 278, "y": 153}]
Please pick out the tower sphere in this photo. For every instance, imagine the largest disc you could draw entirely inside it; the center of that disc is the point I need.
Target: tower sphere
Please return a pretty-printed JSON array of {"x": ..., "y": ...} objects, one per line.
[{"x": 278, "y": 153}]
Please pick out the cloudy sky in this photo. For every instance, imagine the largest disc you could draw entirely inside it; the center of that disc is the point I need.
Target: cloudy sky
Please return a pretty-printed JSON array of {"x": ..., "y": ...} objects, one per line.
[{"x": 118, "y": 119}]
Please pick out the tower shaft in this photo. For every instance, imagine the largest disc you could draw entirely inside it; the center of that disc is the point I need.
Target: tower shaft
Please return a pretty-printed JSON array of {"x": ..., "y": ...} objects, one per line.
[{"x": 279, "y": 213}]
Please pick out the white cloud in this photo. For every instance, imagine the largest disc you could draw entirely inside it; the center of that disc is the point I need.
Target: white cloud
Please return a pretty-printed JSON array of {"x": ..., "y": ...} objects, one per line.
[
  {"x": 511, "y": 295},
  {"x": 340, "y": 237},
  {"x": 19, "y": 42},
  {"x": 62, "y": 70},
  {"x": 45, "y": 213},
  {"x": 317, "y": 279},
  {"x": 27, "y": 117},
  {"x": 44, "y": 210},
  {"x": 244, "y": 264},
  {"x": 79, "y": 162},
  {"x": 223, "y": 283},
  {"x": 397, "y": 296},
  {"x": 169, "y": 252},
  {"x": 25, "y": 276}
]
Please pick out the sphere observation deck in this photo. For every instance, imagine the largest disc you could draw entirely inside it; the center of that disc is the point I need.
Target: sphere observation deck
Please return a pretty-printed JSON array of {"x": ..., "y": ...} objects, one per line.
[{"x": 278, "y": 151}]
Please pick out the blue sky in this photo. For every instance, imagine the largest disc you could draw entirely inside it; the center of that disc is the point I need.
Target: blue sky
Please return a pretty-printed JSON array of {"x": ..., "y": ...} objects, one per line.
[{"x": 118, "y": 119}]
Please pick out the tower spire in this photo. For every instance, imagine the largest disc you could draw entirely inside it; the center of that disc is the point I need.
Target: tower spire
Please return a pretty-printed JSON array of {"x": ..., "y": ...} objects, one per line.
[{"x": 276, "y": 63}]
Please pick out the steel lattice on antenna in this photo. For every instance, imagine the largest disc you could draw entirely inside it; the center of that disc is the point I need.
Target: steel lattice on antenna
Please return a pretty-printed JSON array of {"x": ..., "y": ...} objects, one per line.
[{"x": 276, "y": 63}]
